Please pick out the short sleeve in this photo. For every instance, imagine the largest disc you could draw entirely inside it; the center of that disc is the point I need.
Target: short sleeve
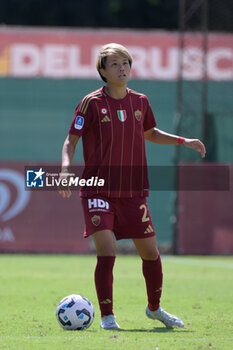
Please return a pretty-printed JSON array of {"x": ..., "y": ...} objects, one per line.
[
  {"x": 81, "y": 121},
  {"x": 149, "y": 119}
]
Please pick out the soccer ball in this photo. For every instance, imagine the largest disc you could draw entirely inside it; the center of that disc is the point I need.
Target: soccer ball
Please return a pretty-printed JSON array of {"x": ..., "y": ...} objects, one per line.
[{"x": 75, "y": 312}]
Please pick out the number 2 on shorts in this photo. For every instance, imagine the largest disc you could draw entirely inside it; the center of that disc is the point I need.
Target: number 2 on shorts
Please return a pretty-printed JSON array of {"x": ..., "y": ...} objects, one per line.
[{"x": 144, "y": 216}]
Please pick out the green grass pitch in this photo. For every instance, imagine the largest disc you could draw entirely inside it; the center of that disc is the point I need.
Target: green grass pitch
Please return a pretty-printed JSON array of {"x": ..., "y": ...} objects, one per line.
[{"x": 197, "y": 289}]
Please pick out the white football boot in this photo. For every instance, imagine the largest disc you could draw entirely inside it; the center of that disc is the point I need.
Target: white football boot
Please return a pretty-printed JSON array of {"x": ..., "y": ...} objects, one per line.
[
  {"x": 167, "y": 319},
  {"x": 109, "y": 322}
]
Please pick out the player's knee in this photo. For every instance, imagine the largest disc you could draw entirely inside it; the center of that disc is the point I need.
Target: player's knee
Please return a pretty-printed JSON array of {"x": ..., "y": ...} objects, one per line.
[
  {"x": 105, "y": 248},
  {"x": 105, "y": 251},
  {"x": 150, "y": 255},
  {"x": 104, "y": 243}
]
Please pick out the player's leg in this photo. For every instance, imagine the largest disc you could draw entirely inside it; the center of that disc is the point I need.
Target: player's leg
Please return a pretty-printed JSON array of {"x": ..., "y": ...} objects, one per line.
[
  {"x": 106, "y": 254},
  {"x": 152, "y": 272},
  {"x": 99, "y": 221},
  {"x": 151, "y": 268}
]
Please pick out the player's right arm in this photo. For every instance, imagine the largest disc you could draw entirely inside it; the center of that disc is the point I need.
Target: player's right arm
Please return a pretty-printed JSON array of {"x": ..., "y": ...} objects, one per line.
[{"x": 67, "y": 157}]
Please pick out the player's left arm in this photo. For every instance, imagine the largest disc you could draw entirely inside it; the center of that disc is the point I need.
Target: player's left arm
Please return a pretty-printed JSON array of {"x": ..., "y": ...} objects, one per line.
[{"x": 163, "y": 138}]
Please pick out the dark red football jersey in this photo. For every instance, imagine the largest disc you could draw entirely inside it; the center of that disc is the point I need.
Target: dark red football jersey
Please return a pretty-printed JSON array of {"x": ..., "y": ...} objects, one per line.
[{"x": 113, "y": 142}]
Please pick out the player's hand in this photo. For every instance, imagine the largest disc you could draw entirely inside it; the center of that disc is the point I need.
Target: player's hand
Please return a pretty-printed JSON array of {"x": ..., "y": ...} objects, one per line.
[
  {"x": 195, "y": 144},
  {"x": 64, "y": 191}
]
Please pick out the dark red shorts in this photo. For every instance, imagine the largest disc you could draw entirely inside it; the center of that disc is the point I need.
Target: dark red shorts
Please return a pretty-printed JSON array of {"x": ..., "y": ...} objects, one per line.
[{"x": 126, "y": 217}]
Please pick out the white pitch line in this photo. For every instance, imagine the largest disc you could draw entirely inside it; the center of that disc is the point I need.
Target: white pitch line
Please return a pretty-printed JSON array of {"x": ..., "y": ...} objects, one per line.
[{"x": 191, "y": 261}]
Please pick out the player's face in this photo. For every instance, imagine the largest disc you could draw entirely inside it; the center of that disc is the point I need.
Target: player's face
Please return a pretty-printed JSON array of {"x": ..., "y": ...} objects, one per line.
[{"x": 117, "y": 70}]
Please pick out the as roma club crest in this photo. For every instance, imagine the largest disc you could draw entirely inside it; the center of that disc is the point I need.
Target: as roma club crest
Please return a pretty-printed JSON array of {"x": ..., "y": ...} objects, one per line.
[
  {"x": 138, "y": 115},
  {"x": 95, "y": 220}
]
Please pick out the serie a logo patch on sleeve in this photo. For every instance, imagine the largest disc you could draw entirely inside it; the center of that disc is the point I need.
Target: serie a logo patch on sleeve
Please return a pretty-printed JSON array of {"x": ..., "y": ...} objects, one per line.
[{"x": 79, "y": 122}]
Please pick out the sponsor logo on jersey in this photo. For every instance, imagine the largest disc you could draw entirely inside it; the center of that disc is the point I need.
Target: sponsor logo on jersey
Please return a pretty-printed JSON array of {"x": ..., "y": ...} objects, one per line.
[
  {"x": 95, "y": 220},
  {"x": 105, "y": 119},
  {"x": 104, "y": 110},
  {"x": 148, "y": 230},
  {"x": 122, "y": 115},
  {"x": 138, "y": 115},
  {"x": 79, "y": 122},
  {"x": 97, "y": 205}
]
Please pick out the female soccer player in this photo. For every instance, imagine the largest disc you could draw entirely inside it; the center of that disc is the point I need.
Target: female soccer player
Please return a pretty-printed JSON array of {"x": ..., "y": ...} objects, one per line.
[{"x": 114, "y": 122}]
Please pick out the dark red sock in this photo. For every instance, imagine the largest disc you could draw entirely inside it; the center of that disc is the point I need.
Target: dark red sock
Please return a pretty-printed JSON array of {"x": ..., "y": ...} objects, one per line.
[
  {"x": 152, "y": 271},
  {"x": 104, "y": 283}
]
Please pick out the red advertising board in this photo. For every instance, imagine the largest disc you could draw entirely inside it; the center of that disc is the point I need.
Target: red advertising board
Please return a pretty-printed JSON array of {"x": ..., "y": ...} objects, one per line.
[
  {"x": 37, "y": 221},
  {"x": 205, "y": 220},
  {"x": 69, "y": 53}
]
